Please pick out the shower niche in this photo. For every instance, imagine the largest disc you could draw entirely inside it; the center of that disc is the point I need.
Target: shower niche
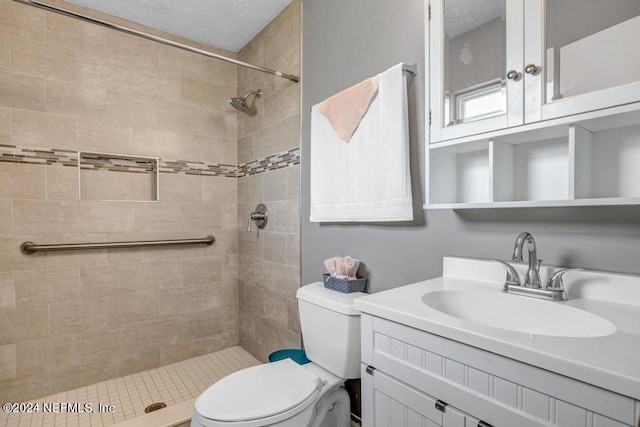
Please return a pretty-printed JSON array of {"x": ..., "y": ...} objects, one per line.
[{"x": 117, "y": 177}]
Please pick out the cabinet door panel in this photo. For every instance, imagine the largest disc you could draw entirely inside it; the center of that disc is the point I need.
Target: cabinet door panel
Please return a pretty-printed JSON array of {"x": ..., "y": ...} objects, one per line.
[
  {"x": 471, "y": 51},
  {"x": 586, "y": 58}
]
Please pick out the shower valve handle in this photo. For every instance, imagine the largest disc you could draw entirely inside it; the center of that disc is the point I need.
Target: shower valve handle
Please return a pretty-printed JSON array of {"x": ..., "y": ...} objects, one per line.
[{"x": 259, "y": 216}]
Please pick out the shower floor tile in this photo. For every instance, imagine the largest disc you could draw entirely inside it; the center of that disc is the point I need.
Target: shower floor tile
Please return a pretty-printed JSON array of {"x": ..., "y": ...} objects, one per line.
[{"x": 176, "y": 385}]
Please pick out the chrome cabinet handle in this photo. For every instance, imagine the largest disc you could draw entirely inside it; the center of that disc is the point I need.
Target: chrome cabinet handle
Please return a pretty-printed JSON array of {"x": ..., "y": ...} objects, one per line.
[
  {"x": 531, "y": 69},
  {"x": 513, "y": 75}
]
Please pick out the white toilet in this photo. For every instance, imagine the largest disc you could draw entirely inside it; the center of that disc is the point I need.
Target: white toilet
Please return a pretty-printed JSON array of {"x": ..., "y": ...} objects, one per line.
[{"x": 286, "y": 394}]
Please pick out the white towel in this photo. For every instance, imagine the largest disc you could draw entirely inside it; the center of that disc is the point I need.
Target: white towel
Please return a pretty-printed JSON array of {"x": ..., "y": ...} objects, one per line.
[{"x": 368, "y": 179}]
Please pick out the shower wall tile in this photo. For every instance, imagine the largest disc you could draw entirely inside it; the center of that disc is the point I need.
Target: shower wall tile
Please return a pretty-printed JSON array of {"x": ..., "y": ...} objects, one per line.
[
  {"x": 106, "y": 217},
  {"x": 24, "y": 323},
  {"x": 179, "y": 117},
  {"x": 8, "y": 362},
  {"x": 268, "y": 261},
  {"x": 62, "y": 183},
  {"x": 198, "y": 271},
  {"x": 36, "y": 216},
  {"x": 87, "y": 314},
  {"x": 48, "y": 354},
  {"x": 6, "y": 217},
  {"x": 217, "y": 189},
  {"x": 219, "y": 123},
  {"x": 180, "y": 188},
  {"x": 7, "y": 291},
  {"x": 5, "y": 52},
  {"x": 275, "y": 247},
  {"x": 72, "y": 100},
  {"x": 37, "y": 59},
  {"x": 87, "y": 40},
  {"x": 22, "y": 181},
  {"x": 158, "y": 217},
  {"x": 130, "y": 109},
  {"x": 138, "y": 361},
  {"x": 287, "y": 133},
  {"x": 125, "y": 50},
  {"x": 82, "y": 316},
  {"x": 77, "y": 376},
  {"x": 12, "y": 260},
  {"x": 293, "y": 249},
  {"x": 46, "y": 286},
  {"x": 106, "y": 137},
  {"x": 275, "y": 185},
  {"x": 159, "y": 275},
  {"x": 20, "y": 21},
  {"x": 180, "y": 300},
  {"x": 5, "y": 125},
  {"x": 263, "y": 142},
  {"x": 33, "y": 129},
  {"x": 293, "y": 183},
  {"x": 133, "y": 308},
  {"x": 282, "y": 104},
  {"x": 205, "y": 94},
  {"x": 102, "y": 344},
  {"x": 219, "y": 294},
  {"x": 105, "y": 280},
  {"x": 15, "y": 389},
  {"x": 23, "y": 92}
]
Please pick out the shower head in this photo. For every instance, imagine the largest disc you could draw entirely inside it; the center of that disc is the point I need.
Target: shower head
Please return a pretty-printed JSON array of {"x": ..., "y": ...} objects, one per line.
[{"x": 240, "y": 104}]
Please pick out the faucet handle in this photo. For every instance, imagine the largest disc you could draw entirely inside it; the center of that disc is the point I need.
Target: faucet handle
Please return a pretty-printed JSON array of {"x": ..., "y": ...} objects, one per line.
[
  {"x": 512, "y": 275},
  {"x": 555, "y": 282}
]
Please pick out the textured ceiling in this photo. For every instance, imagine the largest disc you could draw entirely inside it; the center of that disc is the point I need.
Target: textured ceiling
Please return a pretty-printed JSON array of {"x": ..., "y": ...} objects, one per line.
[
  {"x": 226, "y": 24},
  {"x": 461, "y": 16}
]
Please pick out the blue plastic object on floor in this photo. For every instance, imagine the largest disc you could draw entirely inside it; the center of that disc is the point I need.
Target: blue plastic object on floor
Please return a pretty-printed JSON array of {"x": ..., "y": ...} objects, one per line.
[{"x": 296, "y": 354}]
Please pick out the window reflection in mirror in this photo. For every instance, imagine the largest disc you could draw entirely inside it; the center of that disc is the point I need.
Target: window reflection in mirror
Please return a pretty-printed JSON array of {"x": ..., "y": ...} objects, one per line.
[{"x": 474, "y": 60}]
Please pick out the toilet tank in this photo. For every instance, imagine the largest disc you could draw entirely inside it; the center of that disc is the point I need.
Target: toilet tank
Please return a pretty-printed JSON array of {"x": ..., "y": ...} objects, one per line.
[{"x": 330, "y": 329}]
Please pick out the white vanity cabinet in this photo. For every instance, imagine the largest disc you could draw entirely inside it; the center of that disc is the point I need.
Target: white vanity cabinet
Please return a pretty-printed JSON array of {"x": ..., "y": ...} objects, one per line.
[
  {"x": 413, "y": 378},
  {"x": 533, "y": 103}
]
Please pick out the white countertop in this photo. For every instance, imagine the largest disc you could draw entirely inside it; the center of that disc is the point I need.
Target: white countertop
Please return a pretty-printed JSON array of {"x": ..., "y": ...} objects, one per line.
[{"x": 611, "y": 362}]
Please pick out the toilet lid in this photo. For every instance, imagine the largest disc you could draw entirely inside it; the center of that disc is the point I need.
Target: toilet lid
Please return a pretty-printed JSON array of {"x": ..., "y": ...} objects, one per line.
[{"x": 258, "y": 392}]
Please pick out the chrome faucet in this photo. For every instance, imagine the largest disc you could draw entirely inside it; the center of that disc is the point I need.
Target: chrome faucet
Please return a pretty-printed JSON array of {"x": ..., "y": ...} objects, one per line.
[
  {"x": 532, "y": 278},
  {"x": 553, "y": 289}
]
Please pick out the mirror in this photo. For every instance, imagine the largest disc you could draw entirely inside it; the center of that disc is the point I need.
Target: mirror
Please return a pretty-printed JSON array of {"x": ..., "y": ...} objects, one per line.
[
  {"x": 474, "y": 60},
  {"x": 577, "y": 26}
]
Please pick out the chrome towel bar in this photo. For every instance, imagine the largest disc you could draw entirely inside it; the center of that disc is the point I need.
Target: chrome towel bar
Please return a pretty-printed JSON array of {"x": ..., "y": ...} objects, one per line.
[{"x": 29, "y": 248}]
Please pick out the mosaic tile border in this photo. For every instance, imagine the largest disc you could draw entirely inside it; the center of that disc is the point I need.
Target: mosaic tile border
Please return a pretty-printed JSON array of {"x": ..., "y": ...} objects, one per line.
[
  {"x": 115, "y": 163},
  {"x": 139, "y": 164},
  {"x": 187, "y": 167},
  {"x": 270, "y": 163},
  {"x": 38, "y": 156}
]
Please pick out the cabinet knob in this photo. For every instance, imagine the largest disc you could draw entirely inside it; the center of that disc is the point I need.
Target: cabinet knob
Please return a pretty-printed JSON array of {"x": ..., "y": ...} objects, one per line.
[
  {"x": 513, "y": 75},
  {"x": 531, "y": 69}
]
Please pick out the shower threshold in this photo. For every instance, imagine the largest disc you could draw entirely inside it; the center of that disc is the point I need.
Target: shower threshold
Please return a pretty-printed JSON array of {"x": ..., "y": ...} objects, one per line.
[{"x": 123, "y": 400}]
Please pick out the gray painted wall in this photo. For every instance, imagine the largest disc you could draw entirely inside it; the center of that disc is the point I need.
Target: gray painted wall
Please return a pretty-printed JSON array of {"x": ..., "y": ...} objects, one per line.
[{"x": 345, "y": 41}]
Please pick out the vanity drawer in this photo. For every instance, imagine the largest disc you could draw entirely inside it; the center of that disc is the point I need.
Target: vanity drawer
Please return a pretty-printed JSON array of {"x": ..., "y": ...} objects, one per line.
[{"x": 490, "y": 386}]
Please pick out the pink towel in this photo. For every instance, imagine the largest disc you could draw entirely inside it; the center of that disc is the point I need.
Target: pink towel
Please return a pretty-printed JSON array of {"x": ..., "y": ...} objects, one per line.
[{"x": 344, "y": 110}]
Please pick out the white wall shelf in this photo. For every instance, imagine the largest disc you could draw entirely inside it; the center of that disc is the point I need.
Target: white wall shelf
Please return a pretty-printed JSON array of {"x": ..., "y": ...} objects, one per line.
[{"x": 586, "y": 161}]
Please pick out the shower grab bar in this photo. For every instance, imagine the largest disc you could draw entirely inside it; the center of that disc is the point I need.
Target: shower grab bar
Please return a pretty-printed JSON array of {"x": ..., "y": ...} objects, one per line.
[
  {"x": 29, "y": 248},
  {"x": 121, "y": 28}
]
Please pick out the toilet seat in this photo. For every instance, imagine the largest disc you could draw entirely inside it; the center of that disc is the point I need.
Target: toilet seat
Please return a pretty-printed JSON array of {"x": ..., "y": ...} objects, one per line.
[{"x": 274, "y": 388}]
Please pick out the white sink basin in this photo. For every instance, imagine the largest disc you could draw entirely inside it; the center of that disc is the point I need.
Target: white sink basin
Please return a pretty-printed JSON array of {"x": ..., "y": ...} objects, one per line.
[{"x": 518, "y": 313}]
